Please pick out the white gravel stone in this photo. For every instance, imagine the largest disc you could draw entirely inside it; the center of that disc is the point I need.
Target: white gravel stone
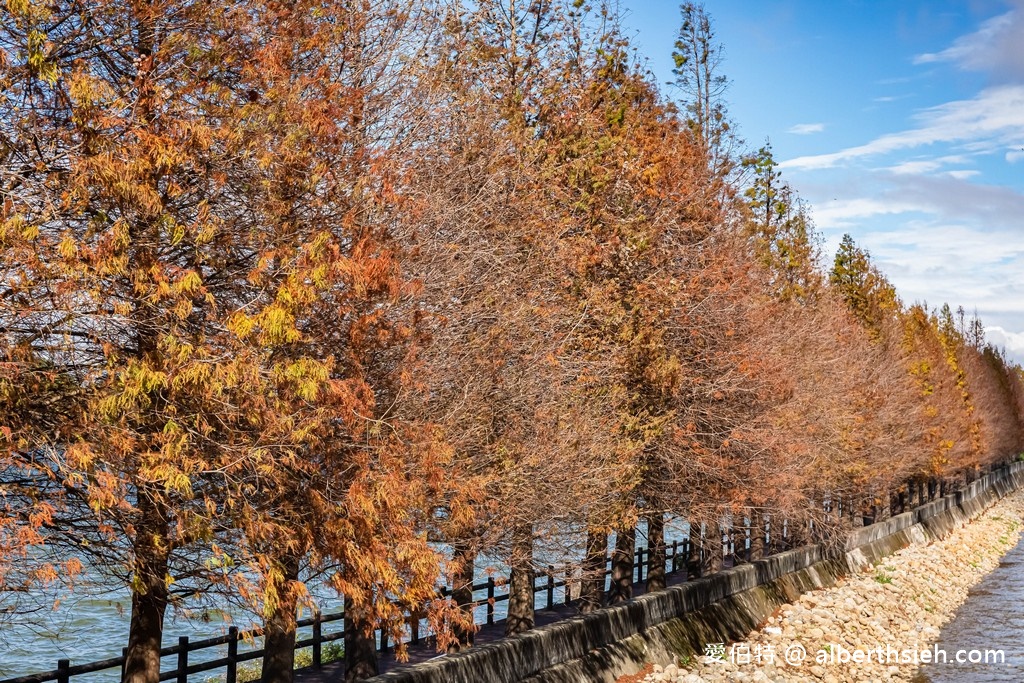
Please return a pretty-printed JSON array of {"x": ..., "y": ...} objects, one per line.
[{"x": 900, "y": 603}]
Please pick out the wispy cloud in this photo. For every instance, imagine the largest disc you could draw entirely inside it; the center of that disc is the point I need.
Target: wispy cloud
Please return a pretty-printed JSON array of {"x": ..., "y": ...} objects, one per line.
[
  {"x": 948, "y": 196},
  {"x": 807, "y": 128},
  {"x": 995, "y": 47},
  {"x": 915, "y": 167},
  {"x": 963, "y": 173},
  {"x": 925, "y": 166},
  {"x": 882, "y": 99},
  {"x": 992, "y": 119},
  {"x": 840, "y": 214}
]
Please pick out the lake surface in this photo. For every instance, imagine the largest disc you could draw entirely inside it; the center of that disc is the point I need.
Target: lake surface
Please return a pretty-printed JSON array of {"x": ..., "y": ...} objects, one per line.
[
  {"x": 91, "y": 625},
  {"x": 992, "y": 618}
]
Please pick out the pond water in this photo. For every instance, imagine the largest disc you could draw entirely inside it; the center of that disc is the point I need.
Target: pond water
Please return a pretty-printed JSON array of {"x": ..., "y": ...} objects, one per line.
[
  {"x": 92, "y": 624},
  {"x": 992, "y": 618}
]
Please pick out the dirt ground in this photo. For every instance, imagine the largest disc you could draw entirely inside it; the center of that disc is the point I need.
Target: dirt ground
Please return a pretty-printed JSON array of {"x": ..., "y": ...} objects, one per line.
[{"x": 637, "y": 677}]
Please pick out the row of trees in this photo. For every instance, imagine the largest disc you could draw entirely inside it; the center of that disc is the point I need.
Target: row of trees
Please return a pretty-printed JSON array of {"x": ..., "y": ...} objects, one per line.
[{"x": 365, "y": 292}]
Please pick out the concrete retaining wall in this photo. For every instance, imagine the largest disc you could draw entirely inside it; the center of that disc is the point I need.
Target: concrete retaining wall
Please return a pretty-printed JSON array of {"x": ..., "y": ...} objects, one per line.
[{"x": 724, "y": 606}]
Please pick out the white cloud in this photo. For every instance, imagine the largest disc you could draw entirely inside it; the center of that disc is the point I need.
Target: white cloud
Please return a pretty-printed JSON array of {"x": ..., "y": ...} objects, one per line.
[
  {"x": 807, "y": 128},
  {"x": 940, "y": 238},
  {"x": 940, "y": 263},
  {"x": 950, "y": 197},
  {"x": 1014, "y": 155},
  {"x": 891, "y": 98},
  {"x": 840, "y": 213},
  {"x": 966, "y": 257},
  {"x": 925, "y": 166},
  {"x": 915, "y": 167},
  {"x": 995, "y": 47},
  {"x": 992, "y": 119},
  {"x": 963, "y": 173},
  {"x": 1013, "y": 342}
]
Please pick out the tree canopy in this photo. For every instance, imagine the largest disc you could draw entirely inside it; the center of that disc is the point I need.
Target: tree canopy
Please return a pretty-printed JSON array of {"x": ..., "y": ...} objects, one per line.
[{"x": 393, "y": 293}]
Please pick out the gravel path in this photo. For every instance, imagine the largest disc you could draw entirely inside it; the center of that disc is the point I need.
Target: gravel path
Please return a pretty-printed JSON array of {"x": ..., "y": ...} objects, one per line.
[{"x": 885, "y": 617}]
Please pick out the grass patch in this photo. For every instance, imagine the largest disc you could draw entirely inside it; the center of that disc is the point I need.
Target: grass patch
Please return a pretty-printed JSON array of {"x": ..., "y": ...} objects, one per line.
[{"x": 253, "y": 670}]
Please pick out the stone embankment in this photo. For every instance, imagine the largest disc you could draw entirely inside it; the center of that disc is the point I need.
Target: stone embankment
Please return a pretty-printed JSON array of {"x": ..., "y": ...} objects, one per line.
[{"x": 885, "y": 617}]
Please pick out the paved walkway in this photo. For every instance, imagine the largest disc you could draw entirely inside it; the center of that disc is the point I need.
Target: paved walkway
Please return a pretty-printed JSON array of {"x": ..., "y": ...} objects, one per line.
[{"x": 335, "y": 671}]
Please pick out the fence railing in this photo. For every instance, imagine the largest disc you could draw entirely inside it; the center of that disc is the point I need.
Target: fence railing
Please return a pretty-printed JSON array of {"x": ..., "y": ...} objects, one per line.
[
  {"x": 232, "y": 639},
  {"x": 680, "y": 556}
]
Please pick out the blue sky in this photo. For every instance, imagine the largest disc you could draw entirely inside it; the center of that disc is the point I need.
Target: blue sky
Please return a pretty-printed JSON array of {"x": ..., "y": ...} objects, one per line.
[{"x": 900, "y": 121}]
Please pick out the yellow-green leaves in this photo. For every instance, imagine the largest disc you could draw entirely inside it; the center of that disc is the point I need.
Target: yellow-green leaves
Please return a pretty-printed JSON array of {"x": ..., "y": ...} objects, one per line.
[{"x": 38, "y": 60}]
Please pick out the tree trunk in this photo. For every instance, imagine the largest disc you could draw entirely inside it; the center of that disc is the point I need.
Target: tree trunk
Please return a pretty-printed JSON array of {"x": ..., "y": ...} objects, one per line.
[
  {"x": 713, "y": 560},
  {"x": 592, "y": 580},
  {"x": 756, "y": 535},
  {"x": 622, "y": 566},
  {"x": 799, "y": 533},
  {"x": 656, "y": 561},
  {"x": 520, "y": 591},
  {"x": 462, "y": 595},
  {"x": 279, "y": 627},
  {"x": 360, "y": 642},
  {"x": 149, "y": 590},
  {"x": 695, "y": 558}
]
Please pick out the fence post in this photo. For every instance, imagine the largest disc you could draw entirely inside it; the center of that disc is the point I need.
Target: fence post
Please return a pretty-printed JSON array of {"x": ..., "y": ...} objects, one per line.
[
  {"x": 490, "y": 600},
  {"x": 675, "y": 556},
  {"x": 317, "y": 640},
  {"x": 183, "y": 659},
  {"x": 551, "y": 586},
  {"x": 383, "y": 640},
  {"x": 232, "y": 674},
  {"x": 693, "y": 560},
  {"x": 568, "y": 588},
  {"x": 124, "y": 662},
  {"x": 63, "y": 675}
]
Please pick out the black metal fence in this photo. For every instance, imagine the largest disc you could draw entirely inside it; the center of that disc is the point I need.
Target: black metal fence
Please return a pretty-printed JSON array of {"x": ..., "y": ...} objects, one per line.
[{"x": 229, "y": 663}]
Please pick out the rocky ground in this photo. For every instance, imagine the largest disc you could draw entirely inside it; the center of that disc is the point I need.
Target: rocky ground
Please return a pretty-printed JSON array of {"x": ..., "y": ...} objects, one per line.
[{"x": 899, "y": 604}]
